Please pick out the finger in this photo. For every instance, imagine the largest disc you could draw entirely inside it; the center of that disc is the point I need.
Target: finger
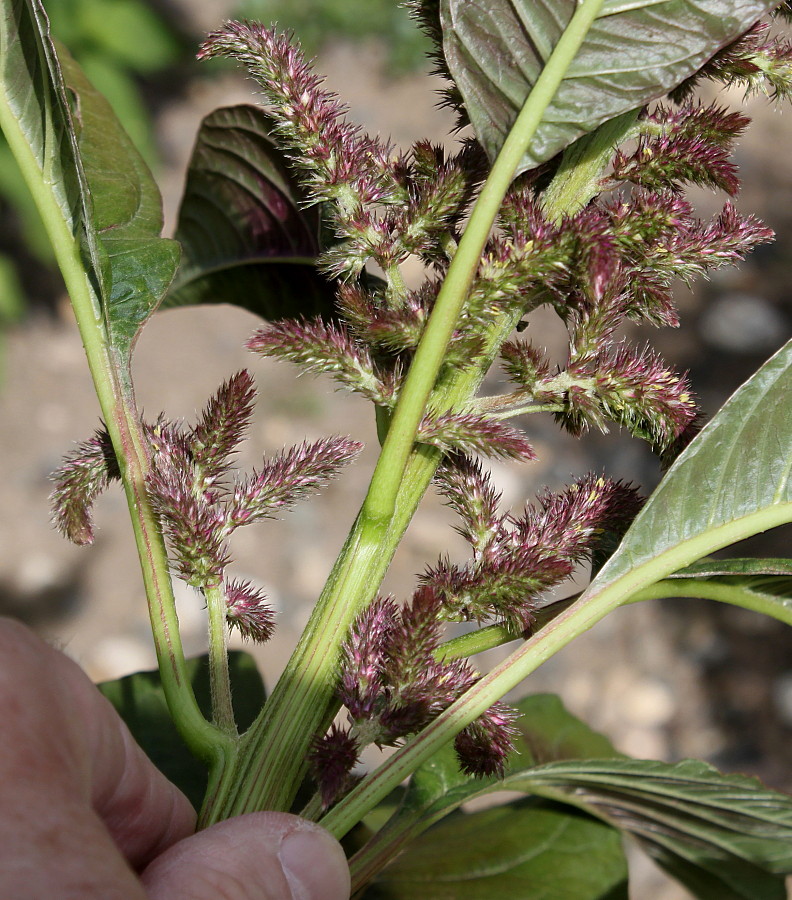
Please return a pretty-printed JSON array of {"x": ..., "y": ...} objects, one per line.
[
  {"x": 259, "y": 856},
  {"x": 73, "y": 747}
]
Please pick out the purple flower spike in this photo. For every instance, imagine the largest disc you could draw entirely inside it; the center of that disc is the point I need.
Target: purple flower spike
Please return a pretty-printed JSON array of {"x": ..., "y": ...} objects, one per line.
[
  {"x": 332, "y": 759},
  {"x": 248, "y": 611},
  {"x": 84, "y": 474},
  {"x": 484, "y": 746},
  {"x": 223, "y": 424}
]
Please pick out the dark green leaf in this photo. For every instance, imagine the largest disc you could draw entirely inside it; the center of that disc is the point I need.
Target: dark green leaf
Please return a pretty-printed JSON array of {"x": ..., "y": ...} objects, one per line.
[
  {"x": 126, "y": 213},
  {"x": 67, "y": 135},
  {"x": 527, "y": 850},
  {"x": 747, "y": 567},
  {"x": 726, "y": 837},
  {"x": 140, "y": 701},
  {"x": 245, "y": 239},
  {"x": 547, "y": 731},
  {"x": 636, "y": 51}
]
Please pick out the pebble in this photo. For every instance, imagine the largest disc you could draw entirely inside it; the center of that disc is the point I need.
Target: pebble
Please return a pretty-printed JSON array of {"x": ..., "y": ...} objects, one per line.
[{"x": 743, "y": 323}]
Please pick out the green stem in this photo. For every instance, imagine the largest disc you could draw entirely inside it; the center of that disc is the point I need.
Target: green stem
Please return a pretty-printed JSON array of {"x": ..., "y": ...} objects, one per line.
[
  {"x": 590, "y": 608},
  {"x": 219, "y": 677},
  {"x": 429, "y": 356},
  {"x": 476, "y": 642},
  {"x": 123, "y": 425}
]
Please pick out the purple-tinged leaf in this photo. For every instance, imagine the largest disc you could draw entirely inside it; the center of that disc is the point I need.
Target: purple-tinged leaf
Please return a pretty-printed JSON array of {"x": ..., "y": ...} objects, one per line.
[{"x": 245, "y": 239}]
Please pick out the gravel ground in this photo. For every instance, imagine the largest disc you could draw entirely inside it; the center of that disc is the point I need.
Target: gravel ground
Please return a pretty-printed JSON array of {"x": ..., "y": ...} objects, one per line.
[{"x": 664, "y": 680}]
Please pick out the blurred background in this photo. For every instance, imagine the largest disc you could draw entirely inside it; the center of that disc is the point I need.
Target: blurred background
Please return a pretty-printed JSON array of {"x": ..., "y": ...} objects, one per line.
[{"x": 665, "y": 680}]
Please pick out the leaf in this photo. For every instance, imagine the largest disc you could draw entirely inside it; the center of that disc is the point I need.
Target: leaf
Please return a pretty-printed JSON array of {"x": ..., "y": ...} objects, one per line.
[
  {"x": 527, "y": 850},
  {"x": 140, "y": 701},
  {"x": 725, "y": 837},
  {"x": 78, "y": 159},
  {"x": 739, "y": 569},
  {"x": 547, "y": 731},
  {"x": 125, "y": 213},
  {"x": 635, "y": 52},
  {"x": 245, "y": 239},
  {"x": 732, "y": 481}
]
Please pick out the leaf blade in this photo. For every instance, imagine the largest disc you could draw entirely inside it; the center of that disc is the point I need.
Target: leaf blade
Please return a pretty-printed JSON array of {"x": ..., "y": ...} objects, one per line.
[
  {"x": 634, "y": 53},
  {"x": 720, "y": 835},
  {"x": 246, "y": 239}
]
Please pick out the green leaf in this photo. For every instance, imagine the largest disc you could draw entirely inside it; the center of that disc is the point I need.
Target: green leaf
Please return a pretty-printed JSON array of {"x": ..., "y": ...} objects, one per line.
[
  {"x": 125, "y": 213},
  {"x": 81, "y": 165},
  {"x": 732, "y": 481},
  {"x": 738, "y": 568},
  {"x": 527, "y": 850},
  {"x": 635, "y": 52},
  {"x": 140, "y": 701},
  {"x": 245, "y": 239},
  {"x": 547, "y": 731},
  {"x": 725, "y": 837}
]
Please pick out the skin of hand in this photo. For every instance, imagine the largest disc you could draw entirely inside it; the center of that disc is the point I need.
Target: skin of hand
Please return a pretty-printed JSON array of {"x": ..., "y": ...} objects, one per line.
[{"x": 85, "y": 814}]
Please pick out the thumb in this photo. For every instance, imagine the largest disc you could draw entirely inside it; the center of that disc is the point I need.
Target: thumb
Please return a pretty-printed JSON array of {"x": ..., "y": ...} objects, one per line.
[{"x": 259, "y": 856}]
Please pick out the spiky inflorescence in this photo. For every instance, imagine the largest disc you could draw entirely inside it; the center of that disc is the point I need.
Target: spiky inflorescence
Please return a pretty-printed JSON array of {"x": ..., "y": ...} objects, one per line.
[
  {"x": 248, "y": 611},
  {"x": 692, "y": 144},
  {"x": 322, "y": 348},
  {"x": 474, "y": 433},
  {"x": 338, "y": 161},
  {"x": 393, "y": 685},
  {"x": 82, "y": 477},
  {"x": 756, "y": 62},
  {"x": 223, "y": 424},
  {"x": 287, "y": 478},
  {"x": 517, "y": 559},
  {"x": 332, "y": 758},
  {"x": 200, "y": 504}
]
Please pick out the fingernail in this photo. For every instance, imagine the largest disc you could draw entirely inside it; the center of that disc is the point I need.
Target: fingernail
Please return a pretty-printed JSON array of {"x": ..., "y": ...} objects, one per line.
[{"x": 314, "y": 865}]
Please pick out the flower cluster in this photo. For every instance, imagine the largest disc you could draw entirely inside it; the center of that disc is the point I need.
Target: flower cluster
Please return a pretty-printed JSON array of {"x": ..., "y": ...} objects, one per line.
[
  {"x": 616, "y": 259},
  {"x": 517, "y": 558},
  {"x": 394, "y": 682},
  {"x": 394, "y": 679},
  {"x": 199, "y": 500}
]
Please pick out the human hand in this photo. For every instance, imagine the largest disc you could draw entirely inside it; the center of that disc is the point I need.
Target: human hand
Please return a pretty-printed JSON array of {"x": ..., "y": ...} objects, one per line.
[{"x": 85, "y": 814}]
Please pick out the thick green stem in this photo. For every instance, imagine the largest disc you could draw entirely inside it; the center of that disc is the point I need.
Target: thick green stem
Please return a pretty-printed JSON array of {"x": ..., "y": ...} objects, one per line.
[{"x": 429, "y": 356}]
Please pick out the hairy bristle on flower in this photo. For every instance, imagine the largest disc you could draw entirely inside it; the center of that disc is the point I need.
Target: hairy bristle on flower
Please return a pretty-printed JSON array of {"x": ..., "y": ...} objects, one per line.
[
  {"x": 634, "y": 389},
  {"x": 473, "y": 433},
  {"x": 570, "y": 523},
  {"x": 223, "y": 424},
  {"x": 483, "y": 747},
  {"x": 338, "y": 161},
  {"x": 322, "y": 348},
  {"x": 363, "y": 657},
  {"x": 196, "y": 528},
  {"x": 290, "y": 476},
  {"x": 332, "y": 759},
  {"x": 691, "y": 144},
  {"x": 468, "y": 491},
  {"x": 248, "y": 611},
  {"x": 82, "y": 477}
]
